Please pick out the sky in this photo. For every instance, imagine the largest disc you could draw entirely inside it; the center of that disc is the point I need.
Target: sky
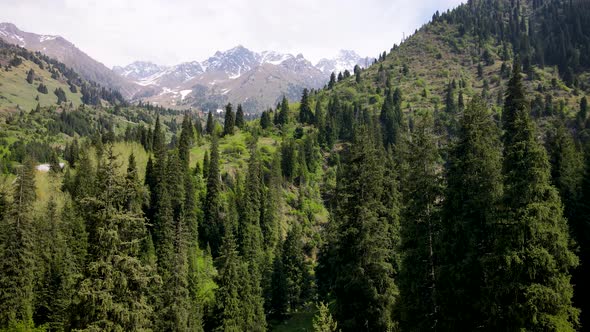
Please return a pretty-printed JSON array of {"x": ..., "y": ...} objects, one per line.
[{"x": 168, "y": 32}]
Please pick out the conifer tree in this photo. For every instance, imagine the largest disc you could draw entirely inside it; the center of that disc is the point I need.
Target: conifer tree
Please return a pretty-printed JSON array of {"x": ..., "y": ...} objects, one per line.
[
  {"x": 213, "y": 227},
  {"x": 363, "y": 285},
  {"x": 295, "y": 269},
  {"x": 323, "y": 321},
  {"x": 305, "y": 113},
  {"x": 30, "y": 76},
  {"x": 332, "y": 81},
  {"x": 210, "y": 126},
  {"x": 284, "y": 113},
  {"x": 469, "y": 212},
  {"x": 421, "y": 190},
  {"x": 17, "y": 257},
  {"x": 530, "y": 280},
  {"x": 580, "y": 228},
  {"x": 112, "y": 294},
  {"x": 228, "y": 125},
  {"x": 229, "y": 306},
  {"x": 240, "y": 123},
  {"x": 567, "y": 167}
]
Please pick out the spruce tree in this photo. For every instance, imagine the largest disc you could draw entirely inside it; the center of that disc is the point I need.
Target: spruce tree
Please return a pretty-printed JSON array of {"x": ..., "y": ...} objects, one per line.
[
  {"x": 284, "y": 113},
  {"x": 229, "y": 306},
  {"x": 240, "y": 122},
  {"x": 210, "y": 126},
  {"x": 17, "y": 256},
  {"x": 530, "y": 280},
  {"x": 112, "y": 295},
  {"x": 323, "y": 321},
  {"x": 363, "y": 284},
  {"x": 213, "y": 227},
  {"x": 305, "y": 113},
  {"x": 469, "y": 212},
  {"x": 228, "y": 125},
  {"x": 421, "y": 192}
]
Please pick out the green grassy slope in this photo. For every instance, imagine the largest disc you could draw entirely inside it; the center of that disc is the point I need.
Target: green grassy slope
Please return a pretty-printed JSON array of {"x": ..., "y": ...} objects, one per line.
[{"x": 16, "y": 92}]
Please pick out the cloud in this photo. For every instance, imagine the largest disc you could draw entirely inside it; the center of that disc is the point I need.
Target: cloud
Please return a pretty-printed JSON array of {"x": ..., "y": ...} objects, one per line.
[{"x": 117, "y": 32}]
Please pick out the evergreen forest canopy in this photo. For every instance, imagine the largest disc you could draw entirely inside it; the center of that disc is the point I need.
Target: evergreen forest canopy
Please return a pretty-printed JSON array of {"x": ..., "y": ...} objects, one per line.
[{"x": 398, "y": 198}]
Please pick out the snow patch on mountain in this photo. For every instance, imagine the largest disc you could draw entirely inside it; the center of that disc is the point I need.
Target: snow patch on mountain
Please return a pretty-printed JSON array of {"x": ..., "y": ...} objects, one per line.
[{"x": 45, "y": 38}]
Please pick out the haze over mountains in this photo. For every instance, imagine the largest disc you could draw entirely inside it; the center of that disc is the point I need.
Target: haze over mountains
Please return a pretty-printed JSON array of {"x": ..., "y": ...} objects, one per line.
[{"x": 238, "y": 75}]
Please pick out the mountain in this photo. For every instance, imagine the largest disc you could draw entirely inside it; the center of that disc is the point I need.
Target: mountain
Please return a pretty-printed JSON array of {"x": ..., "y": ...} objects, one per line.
[
  {"x": 59, "y": 48},
  {"x": 138, "y": 70},
  {"x": 345, "y": 60},
  {"x": 238, "y": 75}
]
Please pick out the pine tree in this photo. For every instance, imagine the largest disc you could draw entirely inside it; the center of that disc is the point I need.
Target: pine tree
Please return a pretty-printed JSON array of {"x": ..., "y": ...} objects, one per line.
[
  {"x": 228, "y": 125},
  {"x": 363, "y": 284},
  {"x": 17, "y": 257},
  {"x": 240, "y": 123},
  {"x": 530, "y": 280},
  {"x": 469, "y": 212},
  {"x": 421, "y": 190}
]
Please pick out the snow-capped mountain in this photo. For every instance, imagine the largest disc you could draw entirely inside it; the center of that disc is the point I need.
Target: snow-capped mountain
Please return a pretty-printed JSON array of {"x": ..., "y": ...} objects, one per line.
[
  {"x": 237, "y": 75},
  {"x": 139, "y": 70},
  {"x": 345, "y": 60},
  {"x": 66, "y": 52}
]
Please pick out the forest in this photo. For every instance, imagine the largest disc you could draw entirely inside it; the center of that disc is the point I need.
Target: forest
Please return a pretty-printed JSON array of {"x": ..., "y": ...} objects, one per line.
[{"x": 389, "y": 200}]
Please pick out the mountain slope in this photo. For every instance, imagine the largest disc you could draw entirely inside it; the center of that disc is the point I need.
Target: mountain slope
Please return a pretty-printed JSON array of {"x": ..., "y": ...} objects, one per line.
[
  {"x": 473, "y": 53},
  {"x": 66, "y": 52},
  {"x": 24, "y": 75}
]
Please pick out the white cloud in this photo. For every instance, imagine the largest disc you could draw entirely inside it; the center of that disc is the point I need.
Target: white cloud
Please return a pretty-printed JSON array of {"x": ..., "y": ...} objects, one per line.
[{"x": 167, "y": 32}]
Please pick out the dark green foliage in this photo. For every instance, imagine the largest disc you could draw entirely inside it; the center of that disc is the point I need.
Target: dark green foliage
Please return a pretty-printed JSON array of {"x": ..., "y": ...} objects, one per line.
[
  {"x": 305, "y": 113},
  {"x": 228, "y": 125},
  {"x": 332, "y": 81},
  {"x": 361, "y": 268},
  {"x": 284, "y": 113},
  {"x": 42, "y": 88},
  {"x": 240, "y": 123},
  {"x": 567, "y": 167},
  {"x": 288, "y": 154},
  {"x": 529, "y": 279},
  {"x": 265, "y": 121},
  {"x": 210, "y": 126},
  {"x": 17, "y": 257},
  {"x": 112, "y": 294},
  {"x": 213, "y": 225},
  {"x": 61, "y": 95},
  {"x": 580, "y": 229},
  {"x": 469, "y": 213},
  {"x": 296, "y": 274},
  {"x": 30, "y": 76},
  {"x": 419, "y": 228},
  {"x": 391, "y": 117}
]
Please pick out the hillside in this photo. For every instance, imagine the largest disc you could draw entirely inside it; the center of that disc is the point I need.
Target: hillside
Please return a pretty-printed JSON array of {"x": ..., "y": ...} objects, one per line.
[
  {"x": 64, "y": 51},
  {"x": 24, "y": 72},
  {"x": 464, "y": 47}
]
